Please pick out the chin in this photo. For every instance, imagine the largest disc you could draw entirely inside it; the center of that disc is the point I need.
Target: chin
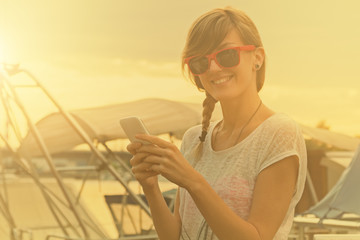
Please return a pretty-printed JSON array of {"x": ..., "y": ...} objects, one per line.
[{"x": 226, "y": 97}]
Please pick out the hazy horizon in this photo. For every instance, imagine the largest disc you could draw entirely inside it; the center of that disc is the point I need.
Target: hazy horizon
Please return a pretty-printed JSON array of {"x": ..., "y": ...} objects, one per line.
[{"x": 106, "y": 52}]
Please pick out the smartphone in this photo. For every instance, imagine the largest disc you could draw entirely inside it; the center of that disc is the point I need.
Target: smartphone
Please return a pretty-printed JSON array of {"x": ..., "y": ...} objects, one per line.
[{"x": 133, "y": 126}]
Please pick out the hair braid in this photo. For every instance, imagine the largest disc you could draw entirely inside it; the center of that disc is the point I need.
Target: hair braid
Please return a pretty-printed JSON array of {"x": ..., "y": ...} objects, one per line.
[{"x": 208, "y": 108}]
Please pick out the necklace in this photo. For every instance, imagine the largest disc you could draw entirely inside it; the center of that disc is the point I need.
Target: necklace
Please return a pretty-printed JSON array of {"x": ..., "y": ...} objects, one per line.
[
  {"x": 204, "y": 227},
  {"x": 242, "y": 129}
]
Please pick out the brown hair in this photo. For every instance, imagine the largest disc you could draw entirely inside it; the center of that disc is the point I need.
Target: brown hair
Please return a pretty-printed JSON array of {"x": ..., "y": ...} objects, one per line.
[{"x": 206, "y": 33}]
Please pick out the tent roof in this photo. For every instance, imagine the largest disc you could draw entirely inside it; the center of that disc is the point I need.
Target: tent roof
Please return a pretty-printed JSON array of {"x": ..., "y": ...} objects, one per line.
[
  {"x": 335, "y": 139},
  {"x": 159, "y": 115},
  {"x": 102, "y": 123}
]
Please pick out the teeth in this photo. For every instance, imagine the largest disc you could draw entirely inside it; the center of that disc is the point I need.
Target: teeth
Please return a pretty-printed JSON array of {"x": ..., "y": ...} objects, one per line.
[{"x": 221, "y": 80}]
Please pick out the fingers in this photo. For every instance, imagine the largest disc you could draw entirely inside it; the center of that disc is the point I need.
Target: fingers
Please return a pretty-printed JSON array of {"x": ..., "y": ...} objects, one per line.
[
  {"x": 153, "y": 159},
  {"x": 138, "y": 158},
  {"x": 132, "y": 147},
  {"x": 155, "y": 140},
  {"x": 156, "y": 168},
  {"x": 158, "y": 147},
  {"x": 144, "y": 162},
  {"x": 143, "y": 170},
  {"x": 154, "y": 150},
  {"x": 142, "y": 167}
]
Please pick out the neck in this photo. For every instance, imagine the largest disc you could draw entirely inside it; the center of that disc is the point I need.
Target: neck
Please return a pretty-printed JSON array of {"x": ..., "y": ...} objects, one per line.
[{"x": 237, "y": 113}]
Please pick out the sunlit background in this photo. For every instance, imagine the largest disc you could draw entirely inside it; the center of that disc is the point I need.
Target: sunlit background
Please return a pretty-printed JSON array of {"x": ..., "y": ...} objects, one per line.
[{"x": 90, "y": 53}]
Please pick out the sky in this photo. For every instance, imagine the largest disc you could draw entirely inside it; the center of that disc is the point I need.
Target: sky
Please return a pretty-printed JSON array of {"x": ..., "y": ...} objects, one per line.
[{"x": 91, "y": 53}]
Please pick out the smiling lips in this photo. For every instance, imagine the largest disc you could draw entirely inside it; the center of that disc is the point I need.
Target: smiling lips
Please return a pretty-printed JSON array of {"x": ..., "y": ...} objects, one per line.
[{"x": 221, "y": 80}]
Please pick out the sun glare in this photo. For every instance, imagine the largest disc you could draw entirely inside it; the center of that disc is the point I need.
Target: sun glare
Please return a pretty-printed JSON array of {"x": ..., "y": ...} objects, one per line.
[
  {"x": 1, "y": 54},
  {"x": 2, "y": 51},
  {"x": 5, "y": 50}
]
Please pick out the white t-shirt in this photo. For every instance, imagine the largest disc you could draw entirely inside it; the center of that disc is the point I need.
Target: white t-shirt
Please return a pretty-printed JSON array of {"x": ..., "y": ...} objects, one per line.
[{"x": 232, "y": 172}]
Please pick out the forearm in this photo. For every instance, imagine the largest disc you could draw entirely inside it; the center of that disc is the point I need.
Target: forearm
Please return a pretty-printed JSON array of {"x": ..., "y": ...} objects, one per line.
[
  {"x": 222, "y": 220},
  {"x": 166, "y": 224}
]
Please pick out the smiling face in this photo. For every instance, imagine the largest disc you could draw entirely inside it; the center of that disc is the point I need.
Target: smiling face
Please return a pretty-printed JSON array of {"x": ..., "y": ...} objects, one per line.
[
  {"x": 213, "y": 29},
  {"x": 229, "y": 83}
]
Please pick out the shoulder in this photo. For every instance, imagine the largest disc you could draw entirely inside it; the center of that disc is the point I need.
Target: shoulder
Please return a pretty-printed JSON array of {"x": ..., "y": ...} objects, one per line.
[
  {"x": 282, "y": 124},
  {"x": 191, "y": 133},
  {"x": 195, "y": 131},
  {"x": 281, "y": 138},
  {"x": 191, "y": 136},
  {"x": 281, "y": 120},
  {"x": 282, "y": 135}
]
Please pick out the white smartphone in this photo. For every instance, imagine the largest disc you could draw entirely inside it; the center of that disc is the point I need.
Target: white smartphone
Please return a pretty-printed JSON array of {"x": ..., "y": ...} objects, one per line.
[{"x": 133, "y": 126}]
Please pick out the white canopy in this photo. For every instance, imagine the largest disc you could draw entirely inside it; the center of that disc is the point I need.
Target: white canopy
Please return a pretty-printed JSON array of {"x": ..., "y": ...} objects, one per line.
[
  {"x": 102, "y": 123},
  {"x": 335, "y": 139},
  {"x": 159, "y": 115}
]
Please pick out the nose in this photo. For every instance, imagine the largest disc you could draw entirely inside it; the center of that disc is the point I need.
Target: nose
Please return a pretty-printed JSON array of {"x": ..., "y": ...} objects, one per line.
[{"x": 214, "y": 66}]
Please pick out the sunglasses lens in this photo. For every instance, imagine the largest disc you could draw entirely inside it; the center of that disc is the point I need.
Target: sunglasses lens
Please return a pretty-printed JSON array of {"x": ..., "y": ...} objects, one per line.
[
  {"x": 228, "y": 58},
  {"x": 198, "y": 65}
]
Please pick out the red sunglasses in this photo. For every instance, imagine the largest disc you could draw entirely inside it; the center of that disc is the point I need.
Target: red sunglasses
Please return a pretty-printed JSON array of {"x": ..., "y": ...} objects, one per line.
[{"x": 225, "y": 58}]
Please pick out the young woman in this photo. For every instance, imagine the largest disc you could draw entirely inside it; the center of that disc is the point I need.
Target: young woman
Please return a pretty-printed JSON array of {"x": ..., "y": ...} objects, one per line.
[{"x": 238, "y": 178}]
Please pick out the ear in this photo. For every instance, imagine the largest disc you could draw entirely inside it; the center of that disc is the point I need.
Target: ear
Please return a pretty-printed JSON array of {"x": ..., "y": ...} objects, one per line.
[{"x": 259, "y": 57}]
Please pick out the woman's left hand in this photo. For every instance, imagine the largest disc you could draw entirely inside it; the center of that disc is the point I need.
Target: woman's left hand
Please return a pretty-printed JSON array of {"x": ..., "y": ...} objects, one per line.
[{"x": 167, "y": 160}]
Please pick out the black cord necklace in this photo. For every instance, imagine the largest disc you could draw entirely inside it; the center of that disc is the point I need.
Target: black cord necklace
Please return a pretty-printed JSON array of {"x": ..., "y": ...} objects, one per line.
[
  {"x": 242, "y": 129},
  {"x": 204, "y": 227}
]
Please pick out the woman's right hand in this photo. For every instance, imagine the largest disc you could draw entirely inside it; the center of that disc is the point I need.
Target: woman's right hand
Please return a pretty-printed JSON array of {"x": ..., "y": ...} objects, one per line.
[{"x": 148, "y": 179}]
